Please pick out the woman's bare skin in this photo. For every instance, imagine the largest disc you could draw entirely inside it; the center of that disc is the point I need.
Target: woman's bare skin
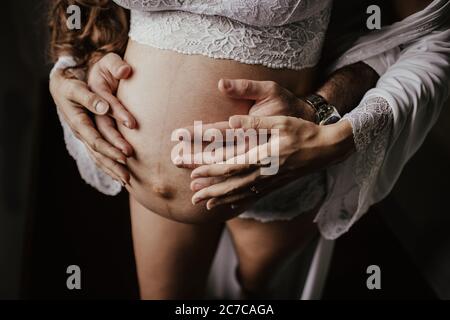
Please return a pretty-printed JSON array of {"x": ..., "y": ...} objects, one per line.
[
  {"x": 168, "y": 91},
  {"x": 175, "y": 240}
]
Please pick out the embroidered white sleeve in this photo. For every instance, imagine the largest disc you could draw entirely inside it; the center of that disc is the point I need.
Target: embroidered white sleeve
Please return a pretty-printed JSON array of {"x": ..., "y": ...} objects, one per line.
[
  {"x": 371, "y": 120},
  {"x": 414, "y": 90},
  {"x": 372, "y": 123}
]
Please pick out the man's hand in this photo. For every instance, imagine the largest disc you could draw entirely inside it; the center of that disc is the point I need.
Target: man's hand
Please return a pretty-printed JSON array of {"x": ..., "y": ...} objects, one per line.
[
  {"x": 270, "y": 98},
  {"x": 75, "y": 99}
]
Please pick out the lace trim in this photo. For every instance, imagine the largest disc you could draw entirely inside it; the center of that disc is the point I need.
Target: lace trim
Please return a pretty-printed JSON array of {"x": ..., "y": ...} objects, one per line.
[
  {"x": 295, "y": 46},
  {"x": 372, "y": 124}
]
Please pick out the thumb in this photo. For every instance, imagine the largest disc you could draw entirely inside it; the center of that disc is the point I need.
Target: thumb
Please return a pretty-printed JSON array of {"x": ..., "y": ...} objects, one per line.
[
  {"x": 116, "y": 66},
  {"x": 246, "y": 89},
  {"x": 79, "y": 93},
  {"x": 251, "y": 122}
]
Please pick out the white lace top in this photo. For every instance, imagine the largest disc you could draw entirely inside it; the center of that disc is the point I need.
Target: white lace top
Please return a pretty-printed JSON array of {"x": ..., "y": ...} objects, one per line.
[{"x": 273, "y": 33}]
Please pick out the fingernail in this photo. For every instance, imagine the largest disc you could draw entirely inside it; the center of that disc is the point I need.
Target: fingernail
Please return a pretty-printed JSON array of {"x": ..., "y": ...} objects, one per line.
[
  {"x": 197, "y": 186},
  {"x": 127, "y": 124},
  {"x": 122, "y": 69},
  {"x": 196, "y": 200},
  {"x": 127, "y": 151},
  {"x": 195, "y": 174},
  {"x": 101, "y": 107},
  {"x": 211, "y": 204},
  {"x": 235, "y": 122},
  {"x": 227, "y": 85},
  {"x": 122, "y": 161}
]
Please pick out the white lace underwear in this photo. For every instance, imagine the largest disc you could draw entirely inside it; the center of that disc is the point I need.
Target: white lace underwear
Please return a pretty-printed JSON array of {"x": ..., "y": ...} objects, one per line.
[{"x": 274, "y": 33}]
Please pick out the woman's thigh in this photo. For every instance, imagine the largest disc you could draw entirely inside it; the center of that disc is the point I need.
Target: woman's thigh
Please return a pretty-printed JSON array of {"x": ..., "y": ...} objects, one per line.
[
  {"x": 173, "y": 259},
  {"x": 263, "y": 247}
]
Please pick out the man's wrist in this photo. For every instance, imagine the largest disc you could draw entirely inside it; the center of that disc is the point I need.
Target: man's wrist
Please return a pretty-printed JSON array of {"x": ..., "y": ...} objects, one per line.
[
  {"x": 324, "y": 112},
  {"x": 304, "y": 110},
  {"x": 326, "y": 95},
  {"x": 346, "y": 86}
]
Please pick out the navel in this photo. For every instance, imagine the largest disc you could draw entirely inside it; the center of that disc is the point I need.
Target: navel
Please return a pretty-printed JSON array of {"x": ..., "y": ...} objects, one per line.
[{"x": 163, "y": 191}]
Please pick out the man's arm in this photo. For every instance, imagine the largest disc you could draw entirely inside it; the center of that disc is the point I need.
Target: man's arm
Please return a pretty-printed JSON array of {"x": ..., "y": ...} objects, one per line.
[{"x": 345, "y": 87}]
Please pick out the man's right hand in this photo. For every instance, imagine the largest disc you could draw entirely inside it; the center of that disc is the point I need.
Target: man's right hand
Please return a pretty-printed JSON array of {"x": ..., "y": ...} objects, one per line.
[{"x": 75, "y": 99}]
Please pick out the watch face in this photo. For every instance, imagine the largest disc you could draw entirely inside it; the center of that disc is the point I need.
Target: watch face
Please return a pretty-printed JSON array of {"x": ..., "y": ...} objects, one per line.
[{"x": 332, "y": 119}]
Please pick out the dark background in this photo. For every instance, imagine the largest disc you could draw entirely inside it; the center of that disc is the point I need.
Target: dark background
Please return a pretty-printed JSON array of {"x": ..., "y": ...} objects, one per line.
[{"x": 50, "y": 219}]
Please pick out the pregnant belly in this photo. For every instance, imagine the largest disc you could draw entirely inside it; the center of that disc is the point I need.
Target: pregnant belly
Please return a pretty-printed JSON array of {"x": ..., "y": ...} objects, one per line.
[{"x": 168, "y": 91}]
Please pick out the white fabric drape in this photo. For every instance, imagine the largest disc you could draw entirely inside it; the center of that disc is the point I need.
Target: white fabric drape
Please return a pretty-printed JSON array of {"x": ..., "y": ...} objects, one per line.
[
  {"x": 433, "y": 17},
  {"x": 393, "y": 119}
]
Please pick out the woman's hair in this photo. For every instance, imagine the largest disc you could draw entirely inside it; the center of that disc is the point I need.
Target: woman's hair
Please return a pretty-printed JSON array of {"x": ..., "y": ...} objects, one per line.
[{"x": 104, "y": 29}]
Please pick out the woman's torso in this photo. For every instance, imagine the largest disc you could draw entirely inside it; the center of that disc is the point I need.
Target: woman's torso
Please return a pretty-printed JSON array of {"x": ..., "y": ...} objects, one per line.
[{"x": 170, "y": 89}]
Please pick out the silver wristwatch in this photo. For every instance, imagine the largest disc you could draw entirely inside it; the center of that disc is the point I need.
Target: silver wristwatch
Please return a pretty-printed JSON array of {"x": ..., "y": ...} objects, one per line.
[{"x": 325, "y": 112}]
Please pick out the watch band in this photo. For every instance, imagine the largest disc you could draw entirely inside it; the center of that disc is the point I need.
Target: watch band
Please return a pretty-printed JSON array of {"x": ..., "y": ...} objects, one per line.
[{"x": 325, "y": 112}]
